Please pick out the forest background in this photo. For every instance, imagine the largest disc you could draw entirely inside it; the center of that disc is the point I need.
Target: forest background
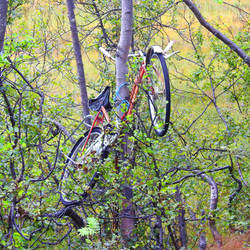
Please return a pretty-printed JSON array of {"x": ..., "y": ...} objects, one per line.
[{"x": 189, "y": 188}]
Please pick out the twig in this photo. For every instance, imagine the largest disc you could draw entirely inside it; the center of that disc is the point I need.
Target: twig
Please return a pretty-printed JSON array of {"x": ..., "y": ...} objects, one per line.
[{"x": 240, "y": 173}]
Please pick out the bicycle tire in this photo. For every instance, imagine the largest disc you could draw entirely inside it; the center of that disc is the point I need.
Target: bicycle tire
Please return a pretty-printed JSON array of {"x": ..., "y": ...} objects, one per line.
[
  {"x": 77, "y": 175},
  {"x": 158, "y": 94}
]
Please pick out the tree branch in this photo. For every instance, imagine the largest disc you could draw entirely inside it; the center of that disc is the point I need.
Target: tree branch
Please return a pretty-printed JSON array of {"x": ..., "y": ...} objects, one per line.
[
  {"x": 213, "y": 206},
  {"x": 217, "y": 33}
]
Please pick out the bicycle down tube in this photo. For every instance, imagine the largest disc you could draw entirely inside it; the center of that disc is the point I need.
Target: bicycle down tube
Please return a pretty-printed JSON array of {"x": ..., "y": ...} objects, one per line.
[
  {"x": 132, "y": 99},
  {"x": 135, "y": 90}
]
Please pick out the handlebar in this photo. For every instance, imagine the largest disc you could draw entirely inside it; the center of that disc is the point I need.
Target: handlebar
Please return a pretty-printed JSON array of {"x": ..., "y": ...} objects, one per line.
[
  {"x": 157, "y": 49},
  {"x": 168, "y": 47}
]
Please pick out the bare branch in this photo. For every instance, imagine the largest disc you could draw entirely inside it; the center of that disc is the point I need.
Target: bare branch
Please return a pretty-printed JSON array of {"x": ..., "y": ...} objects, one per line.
[
  {"x": 237, "y": 7},
  {"x": 53, "y": 168},
  {"x": 240, "y": 173},
  {"x": 213, "y": 205},
  {"x": 65, "y": 131},
  {"x": 217, "y": 33}
]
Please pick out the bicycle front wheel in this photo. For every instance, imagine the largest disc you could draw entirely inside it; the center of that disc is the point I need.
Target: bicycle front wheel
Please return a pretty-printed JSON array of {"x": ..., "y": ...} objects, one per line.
[
  {"x": 158, "y": 91},
  {"x": 81, "y": 166}
]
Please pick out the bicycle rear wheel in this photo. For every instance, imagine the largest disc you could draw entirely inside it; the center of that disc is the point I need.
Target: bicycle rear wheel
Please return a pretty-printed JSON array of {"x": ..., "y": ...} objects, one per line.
[
  {"x": 158, "y": 91},
  {"x": 81, "y": 166}
]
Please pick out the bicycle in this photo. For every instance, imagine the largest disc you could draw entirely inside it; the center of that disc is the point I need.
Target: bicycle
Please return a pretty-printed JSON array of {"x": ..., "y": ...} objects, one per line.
[{"x": 93, "y": 146}]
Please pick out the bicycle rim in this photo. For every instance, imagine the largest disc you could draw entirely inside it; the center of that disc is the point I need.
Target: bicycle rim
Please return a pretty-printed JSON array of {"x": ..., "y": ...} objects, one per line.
[
  {"x": 158, "y": 93},
  {"x": 80, "y": 168}
]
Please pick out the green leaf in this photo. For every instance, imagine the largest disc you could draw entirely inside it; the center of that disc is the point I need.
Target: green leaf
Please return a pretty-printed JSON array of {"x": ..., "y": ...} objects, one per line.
[{"x": 91, "y": 228}]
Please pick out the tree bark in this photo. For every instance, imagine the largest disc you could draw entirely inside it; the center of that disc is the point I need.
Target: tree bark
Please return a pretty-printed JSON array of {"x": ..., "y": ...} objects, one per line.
[
  {"x": 181, "y": 218},
  {"x": 159, "y": 233},
  {"x": 3, "y": 18},
  {"x": 172, "y": 237},
  {"x": 123, "y": 47},
  {"x": 127, "y": 221},
  {"x": 78, "y": 56},
  {"x": 213, "y": 205},
  {"x": 203, "y": 241},
  {"x": 217, "y": 33},
  {"x": 76, "y": 219}
]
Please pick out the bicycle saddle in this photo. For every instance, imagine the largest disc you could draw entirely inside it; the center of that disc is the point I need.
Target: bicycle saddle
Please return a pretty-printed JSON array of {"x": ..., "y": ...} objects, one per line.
[{"x": 101, "y": 100}]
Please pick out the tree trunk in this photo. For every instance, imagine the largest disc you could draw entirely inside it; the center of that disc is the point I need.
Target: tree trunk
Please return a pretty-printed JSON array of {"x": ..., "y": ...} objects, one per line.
[
  {"x": 123, "y": 47},
  {"x": 78, "y": 56},
  {"x": 127, "y": 224},
  {"x": 213, "y": 205},
  {"x": 181, "y": 218},
  {"x": 3, "y": 17},
  {"x": 159, "y": 233},
  {"x": 203, "y": 241}
]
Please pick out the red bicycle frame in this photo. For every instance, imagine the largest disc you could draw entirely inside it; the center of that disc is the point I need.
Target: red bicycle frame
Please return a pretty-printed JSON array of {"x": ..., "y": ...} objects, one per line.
[
  {"x": 132, "y": 99},
  {"x": 135, "y": 90}
]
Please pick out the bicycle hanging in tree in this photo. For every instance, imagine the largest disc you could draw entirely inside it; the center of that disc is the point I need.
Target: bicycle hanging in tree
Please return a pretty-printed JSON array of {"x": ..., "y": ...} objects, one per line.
[{"x": 80, "y": 176}]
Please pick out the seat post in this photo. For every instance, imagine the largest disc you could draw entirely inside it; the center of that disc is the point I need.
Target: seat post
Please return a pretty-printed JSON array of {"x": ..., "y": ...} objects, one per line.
[{"x": 105, "y": 113}]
